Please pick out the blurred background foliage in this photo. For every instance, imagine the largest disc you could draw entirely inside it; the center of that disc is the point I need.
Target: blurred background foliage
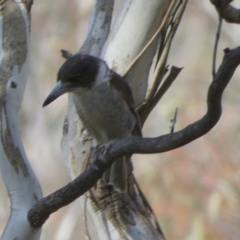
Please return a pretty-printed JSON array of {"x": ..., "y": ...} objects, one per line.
[{"x": 194, "y": 190}]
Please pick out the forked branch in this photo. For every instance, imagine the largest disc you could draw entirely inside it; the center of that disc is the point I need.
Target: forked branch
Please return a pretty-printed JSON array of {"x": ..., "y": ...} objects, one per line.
[
  {"x": 106, "y": 155},
  {"x": 226, "y": 11}
]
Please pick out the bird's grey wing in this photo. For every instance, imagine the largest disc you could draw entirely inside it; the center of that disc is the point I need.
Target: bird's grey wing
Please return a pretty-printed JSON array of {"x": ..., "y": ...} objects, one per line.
[{"x": 125, "y": 92}]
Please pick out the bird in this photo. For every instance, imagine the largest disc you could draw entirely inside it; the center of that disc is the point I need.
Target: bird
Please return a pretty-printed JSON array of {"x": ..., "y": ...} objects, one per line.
[{"x": 105, "y": 105}]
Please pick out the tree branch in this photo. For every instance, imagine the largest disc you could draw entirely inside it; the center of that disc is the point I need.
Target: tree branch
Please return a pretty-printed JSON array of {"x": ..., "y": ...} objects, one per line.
[
  {"x": 106, "y": 155},
  {"x": 226, "y": 11}
]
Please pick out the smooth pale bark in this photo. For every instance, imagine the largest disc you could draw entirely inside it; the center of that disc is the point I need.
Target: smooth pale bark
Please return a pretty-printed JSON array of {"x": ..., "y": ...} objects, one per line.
[
  {"x": 136, "y": 23},
  {"x": 21, "y": 183}
]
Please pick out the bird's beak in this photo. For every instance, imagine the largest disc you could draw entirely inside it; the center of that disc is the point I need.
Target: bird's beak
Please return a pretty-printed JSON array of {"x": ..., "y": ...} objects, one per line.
[{"x": 57, "y": 91}]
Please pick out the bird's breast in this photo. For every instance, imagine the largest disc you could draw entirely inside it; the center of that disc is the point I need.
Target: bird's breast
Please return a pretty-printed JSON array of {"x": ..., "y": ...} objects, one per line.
[{"x": 104, "y": 114}]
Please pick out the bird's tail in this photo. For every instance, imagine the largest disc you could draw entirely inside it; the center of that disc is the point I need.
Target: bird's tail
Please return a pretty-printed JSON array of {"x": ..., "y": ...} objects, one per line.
[{"x": 116, "y": 175}]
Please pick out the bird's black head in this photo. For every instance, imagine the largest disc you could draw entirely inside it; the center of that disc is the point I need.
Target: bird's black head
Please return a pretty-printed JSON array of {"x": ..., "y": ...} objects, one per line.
[{"x": 79, "y": 71}]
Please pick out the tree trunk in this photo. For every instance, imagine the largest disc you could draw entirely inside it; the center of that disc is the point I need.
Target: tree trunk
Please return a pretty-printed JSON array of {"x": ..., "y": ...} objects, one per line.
[
  {"x": 118, "y": 216},
  {"x": 21, "y": 183}
]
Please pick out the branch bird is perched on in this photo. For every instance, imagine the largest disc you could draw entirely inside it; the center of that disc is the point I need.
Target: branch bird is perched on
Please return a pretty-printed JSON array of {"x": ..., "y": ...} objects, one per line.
[{"x": 104, "y": 103}]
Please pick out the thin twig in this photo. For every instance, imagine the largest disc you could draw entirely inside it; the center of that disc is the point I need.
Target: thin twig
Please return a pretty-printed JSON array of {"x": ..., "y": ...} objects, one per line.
[
  {"x": 66, "y": 54},
  {"x": 147, "y": 107},
  {"x": 216, "y": 46},
  {"x": 173, "y": 121},
  {"x": 154, "y": 94}
]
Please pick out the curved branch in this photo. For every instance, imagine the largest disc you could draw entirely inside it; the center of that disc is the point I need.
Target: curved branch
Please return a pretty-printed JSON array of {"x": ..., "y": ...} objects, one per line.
[
  {"x": 193, "y": 131},
  {"x": 226, "y": 11},
  {"x": 41, "y": 210}
]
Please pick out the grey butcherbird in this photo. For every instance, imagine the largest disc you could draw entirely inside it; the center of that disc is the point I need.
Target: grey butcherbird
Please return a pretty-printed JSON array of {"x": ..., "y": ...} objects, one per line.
[{"x": 104, "y": 103}]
